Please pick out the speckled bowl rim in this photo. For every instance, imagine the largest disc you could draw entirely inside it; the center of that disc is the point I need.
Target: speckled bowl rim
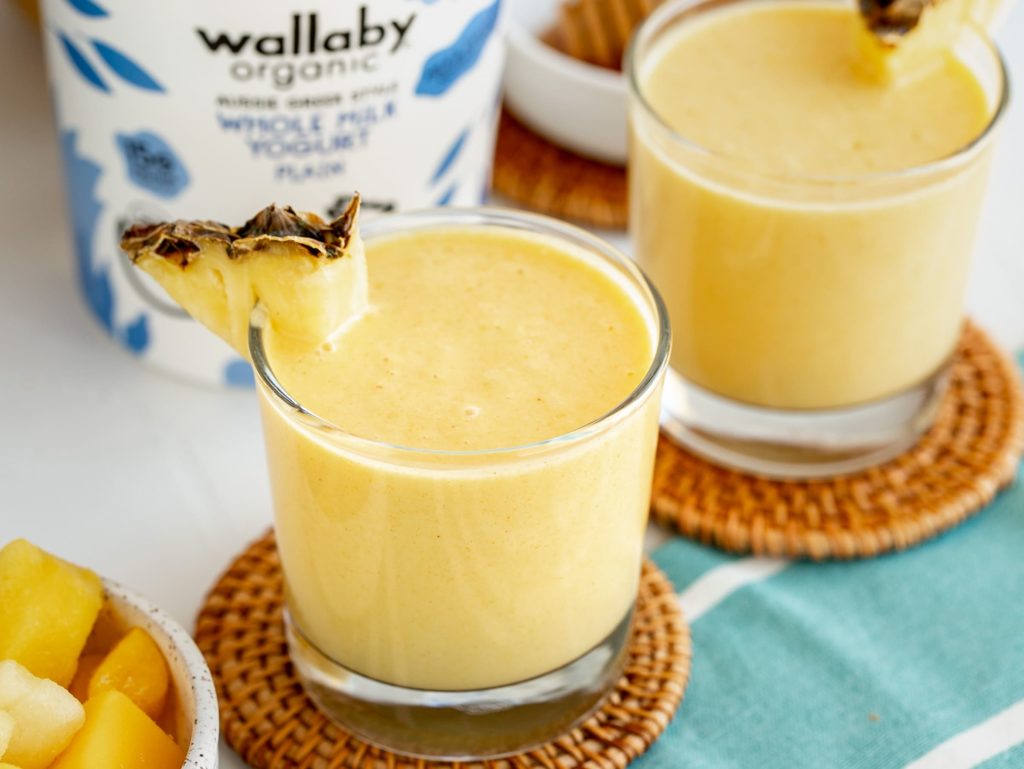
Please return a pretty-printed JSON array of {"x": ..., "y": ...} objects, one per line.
[{"x": 203, "y": 749}]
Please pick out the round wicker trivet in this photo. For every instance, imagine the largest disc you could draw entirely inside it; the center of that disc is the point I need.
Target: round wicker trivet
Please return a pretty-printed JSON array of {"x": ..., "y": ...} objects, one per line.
[
  {"x": 954, "y": 470},
  {"x": 544, "y": 177},
  {"x": 267, "y": 718}
]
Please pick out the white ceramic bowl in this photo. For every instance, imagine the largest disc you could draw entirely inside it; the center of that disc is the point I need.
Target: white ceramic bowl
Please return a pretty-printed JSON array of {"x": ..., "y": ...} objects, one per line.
[
  {"x": 197, "y": 697},
  {"x": 576, "y": 105}
]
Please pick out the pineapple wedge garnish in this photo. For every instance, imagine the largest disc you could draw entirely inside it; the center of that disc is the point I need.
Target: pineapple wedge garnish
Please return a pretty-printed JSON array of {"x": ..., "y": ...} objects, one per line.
[
  {"x": 309, "y": 275},
  {"x": 899, "y": 39}
]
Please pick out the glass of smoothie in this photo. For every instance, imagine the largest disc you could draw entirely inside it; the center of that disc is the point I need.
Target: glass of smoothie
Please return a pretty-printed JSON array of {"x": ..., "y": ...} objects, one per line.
[
  {"x": 810, "y": 227},
  {"x": 461, "y": 481}
]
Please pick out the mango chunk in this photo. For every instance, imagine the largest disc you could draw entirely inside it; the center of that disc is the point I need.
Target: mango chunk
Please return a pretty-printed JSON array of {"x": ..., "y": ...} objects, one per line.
[
  {"x": 6, "y": 732},
  {"x": 49, "y": 607},
  {"x": 135, "y": 667},
  {"x": 87, "y": 665},
  {"x": 46, "y": 716},
  {"x": 118, "y": 734},
  {"x": 8, "y": 766},
  {"x": 106, "y": 631}
]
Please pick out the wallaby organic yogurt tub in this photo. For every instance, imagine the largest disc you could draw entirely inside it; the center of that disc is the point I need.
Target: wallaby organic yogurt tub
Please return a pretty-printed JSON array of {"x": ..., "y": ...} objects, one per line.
[{"x": 190, "y": 108}]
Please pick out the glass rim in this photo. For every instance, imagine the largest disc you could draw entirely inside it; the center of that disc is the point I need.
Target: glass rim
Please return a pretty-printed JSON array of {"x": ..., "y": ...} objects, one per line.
[
  {"x": 666, "y": 11},
  {"x": 395, "y": 224}
]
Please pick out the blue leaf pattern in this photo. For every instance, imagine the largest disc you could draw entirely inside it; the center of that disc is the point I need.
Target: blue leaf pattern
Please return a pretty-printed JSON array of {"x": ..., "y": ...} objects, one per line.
[
  {"x": 238, "y": 373},
  {"x": 446, "y": 198},
  {"x": 136, "y": 335},
  {"x": 83, "y": 176},
  {"x": 449, "y": 158},
  {"x": 445, "y": 67},
  {"x": 82, "y": 65},
  {"x": 125, "y": 68},
  {"x": 87, "y": 7}
]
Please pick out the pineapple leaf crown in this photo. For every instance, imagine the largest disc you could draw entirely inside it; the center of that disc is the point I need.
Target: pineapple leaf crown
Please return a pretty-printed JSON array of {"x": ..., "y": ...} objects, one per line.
[
  {"x": 182, "y": 240},
  {"x": 889, "y": 20}
]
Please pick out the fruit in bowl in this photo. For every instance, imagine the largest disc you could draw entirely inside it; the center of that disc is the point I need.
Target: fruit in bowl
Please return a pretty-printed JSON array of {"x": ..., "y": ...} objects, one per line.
[{"x": 92, "y": 676}]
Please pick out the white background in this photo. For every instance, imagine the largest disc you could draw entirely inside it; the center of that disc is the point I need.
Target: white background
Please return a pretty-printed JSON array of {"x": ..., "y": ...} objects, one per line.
[{"x": 158, "y": 483}]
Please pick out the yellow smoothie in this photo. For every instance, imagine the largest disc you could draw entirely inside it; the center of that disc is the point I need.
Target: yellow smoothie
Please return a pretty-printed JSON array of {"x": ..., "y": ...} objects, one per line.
[
  {"x": 801, "y": 268},
  {"x": 433, "y": 566}
]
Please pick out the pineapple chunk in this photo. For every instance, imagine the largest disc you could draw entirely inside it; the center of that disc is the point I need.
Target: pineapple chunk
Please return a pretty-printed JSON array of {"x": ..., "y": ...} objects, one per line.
[
  {"x": 49, "y": 607},
  {"x": 901, "y": 39},
  {"x": 118, "y": 734},
  {"x": 309, "y": 275},
  {"x": 6, "y": 731},
  {"x": 46, "y": 716},
  {"x": 136, "y": 668},
  {"x": 899, "y": 53}
]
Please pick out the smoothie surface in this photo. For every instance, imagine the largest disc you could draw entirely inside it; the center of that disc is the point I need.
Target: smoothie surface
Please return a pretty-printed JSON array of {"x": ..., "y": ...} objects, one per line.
[
  {"x": 475, "y": 339},
  {"x": 779, "y": 85}
]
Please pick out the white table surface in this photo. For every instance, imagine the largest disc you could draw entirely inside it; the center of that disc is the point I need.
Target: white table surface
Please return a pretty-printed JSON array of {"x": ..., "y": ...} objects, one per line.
[{"x": 157, "y": 483}]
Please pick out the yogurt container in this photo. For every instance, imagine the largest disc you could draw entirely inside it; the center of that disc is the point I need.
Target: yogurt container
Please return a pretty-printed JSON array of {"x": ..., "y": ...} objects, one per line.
[{"x": 191, "y": 109}]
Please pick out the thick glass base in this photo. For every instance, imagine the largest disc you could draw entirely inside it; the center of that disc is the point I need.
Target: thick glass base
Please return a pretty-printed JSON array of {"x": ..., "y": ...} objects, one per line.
[
  {"x": 461, "y": 725},
  {"x": 798, "y": 444}
]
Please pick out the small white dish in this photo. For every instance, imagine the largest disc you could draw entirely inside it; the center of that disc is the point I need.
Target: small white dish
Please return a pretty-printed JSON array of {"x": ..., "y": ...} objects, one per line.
[
  {"x": 197, "y": 697},
  {"x": 579, "y": 106}
]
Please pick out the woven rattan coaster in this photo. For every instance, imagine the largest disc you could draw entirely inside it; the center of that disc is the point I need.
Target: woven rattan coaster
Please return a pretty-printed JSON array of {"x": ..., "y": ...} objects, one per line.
[
  {"x": 954, "y": 470},
  {"x": 267, "y": 718},
  {"x": 544, "y": 177}
]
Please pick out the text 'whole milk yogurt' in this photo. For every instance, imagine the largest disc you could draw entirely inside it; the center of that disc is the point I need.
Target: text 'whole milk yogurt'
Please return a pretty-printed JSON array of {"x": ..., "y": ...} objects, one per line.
[{"x": 192, "y": 109}]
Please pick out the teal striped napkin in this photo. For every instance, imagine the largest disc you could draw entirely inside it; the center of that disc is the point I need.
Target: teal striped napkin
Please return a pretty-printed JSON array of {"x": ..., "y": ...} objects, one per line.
[{"x": 913, "y": 660}]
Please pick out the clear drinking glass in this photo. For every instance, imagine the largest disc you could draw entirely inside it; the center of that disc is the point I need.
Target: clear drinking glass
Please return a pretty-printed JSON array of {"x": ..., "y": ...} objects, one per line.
[
  {"x": 464, "y": 604},
  {"x": 792, "y": 360}
]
